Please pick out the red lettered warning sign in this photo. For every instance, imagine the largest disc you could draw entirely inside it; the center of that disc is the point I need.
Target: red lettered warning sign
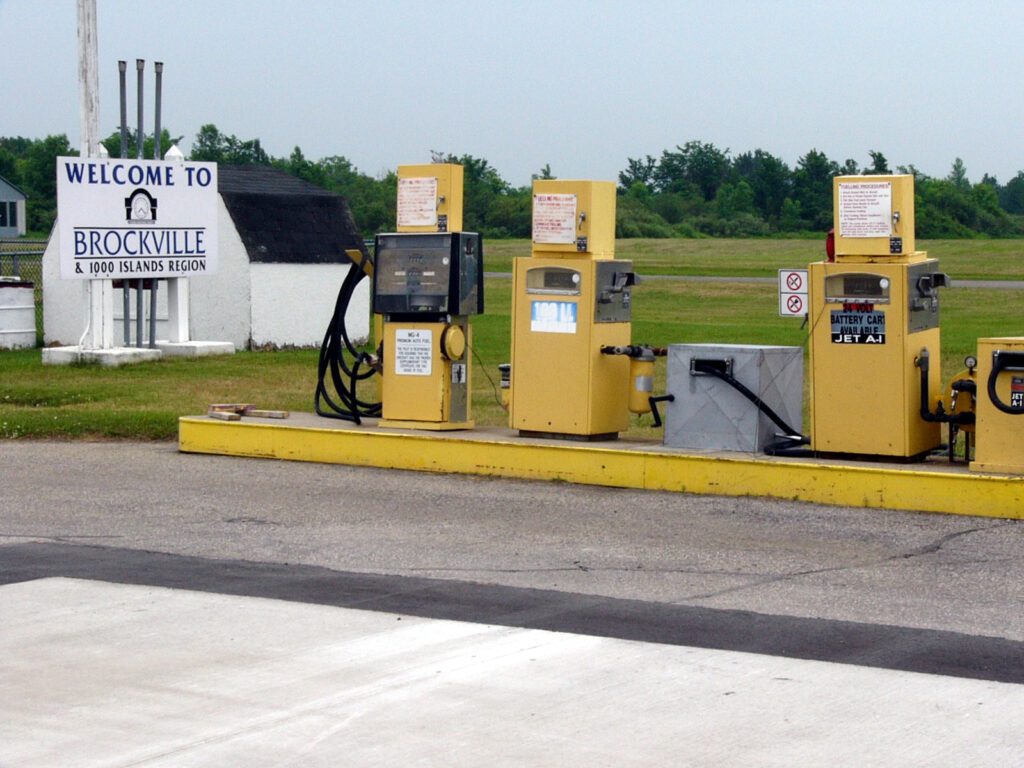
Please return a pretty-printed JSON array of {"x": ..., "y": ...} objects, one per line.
[
  {"x": 554, "y": 219},
  {"x": 417, "y": 202}
]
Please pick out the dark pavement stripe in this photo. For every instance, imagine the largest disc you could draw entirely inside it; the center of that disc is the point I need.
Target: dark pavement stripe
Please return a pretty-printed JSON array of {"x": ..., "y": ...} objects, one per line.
[{"x": 873, "y": 645}]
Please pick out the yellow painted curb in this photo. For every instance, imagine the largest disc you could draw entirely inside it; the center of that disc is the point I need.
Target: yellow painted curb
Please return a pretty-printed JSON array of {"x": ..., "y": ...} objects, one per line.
[{"x": 952, "y": 490}]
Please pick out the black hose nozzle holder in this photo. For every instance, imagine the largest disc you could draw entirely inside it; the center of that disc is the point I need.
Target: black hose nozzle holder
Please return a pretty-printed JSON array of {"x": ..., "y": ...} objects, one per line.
[
  {"x": 1004, "y": 360},
  {"x": 939, "y": 414}
]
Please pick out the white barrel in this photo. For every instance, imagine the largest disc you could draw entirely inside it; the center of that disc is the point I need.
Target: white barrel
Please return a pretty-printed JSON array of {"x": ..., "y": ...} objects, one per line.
[{"x": 17, "y": 314}]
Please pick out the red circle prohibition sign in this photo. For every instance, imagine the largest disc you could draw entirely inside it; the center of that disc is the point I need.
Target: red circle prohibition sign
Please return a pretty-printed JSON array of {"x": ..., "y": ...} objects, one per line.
[
  {"x": 794, "y": 281},
  {"x": 794, "y": 304}
]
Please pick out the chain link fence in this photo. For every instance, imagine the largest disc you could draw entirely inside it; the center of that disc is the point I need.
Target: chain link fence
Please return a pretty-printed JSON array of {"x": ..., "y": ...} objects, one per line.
[{"x": 23, "y": 259}]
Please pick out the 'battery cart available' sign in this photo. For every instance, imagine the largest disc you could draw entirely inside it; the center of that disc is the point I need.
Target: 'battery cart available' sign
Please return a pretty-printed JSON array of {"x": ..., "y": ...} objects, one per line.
[
  {"x": 851, "y": 325},
  {"x": 136, "y": 218}
]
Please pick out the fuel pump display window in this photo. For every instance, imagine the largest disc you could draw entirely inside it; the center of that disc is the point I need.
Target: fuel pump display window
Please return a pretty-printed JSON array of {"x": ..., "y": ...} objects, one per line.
[
  {"x": 428, "y": 274},
  {"x": 560, "y": 281},
  {"x": 852, "y": 288},
  {"x": 417, "y": 270}
]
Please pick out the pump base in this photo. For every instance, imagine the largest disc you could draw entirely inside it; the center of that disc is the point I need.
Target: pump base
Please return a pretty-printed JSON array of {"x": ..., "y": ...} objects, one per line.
[
  {"x": 566, "y": 436},
  {"x": 915, "y": 459},
  {"x": 433, "y": 426}
]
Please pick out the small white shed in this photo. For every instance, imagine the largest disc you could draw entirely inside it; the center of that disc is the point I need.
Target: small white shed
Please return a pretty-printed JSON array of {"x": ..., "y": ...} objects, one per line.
[
  {"x": 12, "y": 210},
  {"x": 281, "y": 262}
]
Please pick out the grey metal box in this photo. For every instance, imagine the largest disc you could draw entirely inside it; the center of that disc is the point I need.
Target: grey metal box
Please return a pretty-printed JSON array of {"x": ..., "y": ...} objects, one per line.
[{"x": 709, "y": 414}]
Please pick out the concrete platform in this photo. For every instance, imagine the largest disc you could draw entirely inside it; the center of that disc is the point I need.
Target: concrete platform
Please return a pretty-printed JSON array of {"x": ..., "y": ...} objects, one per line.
[
  {"x": 113, "y": 357},
  {"x": 932, "y": 486},
  {"x": 96, "y": 673},
  {"x": 128, "y": 355},
  {"x": 195, "y": 348}
]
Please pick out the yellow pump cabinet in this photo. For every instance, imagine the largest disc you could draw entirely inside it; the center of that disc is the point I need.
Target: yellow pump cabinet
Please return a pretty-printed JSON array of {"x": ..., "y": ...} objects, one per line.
[{"x": 571, "y": 298}]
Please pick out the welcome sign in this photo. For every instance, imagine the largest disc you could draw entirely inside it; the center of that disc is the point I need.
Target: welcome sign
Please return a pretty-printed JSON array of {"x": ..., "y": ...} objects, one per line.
[{"x": 130, "y": 219}]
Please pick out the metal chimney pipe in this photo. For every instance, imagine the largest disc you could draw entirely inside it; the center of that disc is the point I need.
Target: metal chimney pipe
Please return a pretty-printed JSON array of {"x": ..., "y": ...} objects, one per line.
[
  {"x": 122, "y": 67},
  {"x": 126, "y": 307},
  {"x": 140, "y": 64},
  {"x": 158, "y": 66}
]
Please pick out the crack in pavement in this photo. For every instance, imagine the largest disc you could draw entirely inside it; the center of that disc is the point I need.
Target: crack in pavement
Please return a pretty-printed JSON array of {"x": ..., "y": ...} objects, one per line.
[{"x": 927, "y": 549}]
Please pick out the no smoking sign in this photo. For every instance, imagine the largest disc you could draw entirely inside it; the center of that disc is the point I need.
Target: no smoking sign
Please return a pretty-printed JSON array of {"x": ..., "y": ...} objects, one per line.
[{"x": 792, "y": 292}]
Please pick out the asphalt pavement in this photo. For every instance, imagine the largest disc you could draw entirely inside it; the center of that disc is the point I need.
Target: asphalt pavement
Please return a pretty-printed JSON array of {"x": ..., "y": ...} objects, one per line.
[{"x": 160, "y": 608}]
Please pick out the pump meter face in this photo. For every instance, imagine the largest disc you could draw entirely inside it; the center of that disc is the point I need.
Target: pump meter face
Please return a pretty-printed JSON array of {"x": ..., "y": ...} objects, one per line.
[{"x": 428, "y": 274}]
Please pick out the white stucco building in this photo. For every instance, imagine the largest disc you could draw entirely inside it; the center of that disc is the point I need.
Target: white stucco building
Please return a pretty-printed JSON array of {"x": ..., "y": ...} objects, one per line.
[
  {"x": 281, "y": 261},
  {"x": 12, "y": 210}
]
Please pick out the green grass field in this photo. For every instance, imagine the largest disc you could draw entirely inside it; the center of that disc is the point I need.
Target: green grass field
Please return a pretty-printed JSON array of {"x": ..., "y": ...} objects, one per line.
[
  {"x": 144, "y": 401},
  {"x": 975, "y": 259}
]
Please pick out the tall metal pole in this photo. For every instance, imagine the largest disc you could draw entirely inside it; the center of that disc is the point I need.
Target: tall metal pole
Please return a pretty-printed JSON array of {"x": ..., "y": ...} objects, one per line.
[
  {"x": 122, "y": 66},
  {"x": 140, "y": 64},
  {"x": 158, "y": 66},
  {"x": 126, "y": 286}
]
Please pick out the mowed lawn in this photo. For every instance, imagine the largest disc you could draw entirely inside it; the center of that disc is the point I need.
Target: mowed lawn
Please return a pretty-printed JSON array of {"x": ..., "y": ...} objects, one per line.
[{"x": 144, "y": 401}]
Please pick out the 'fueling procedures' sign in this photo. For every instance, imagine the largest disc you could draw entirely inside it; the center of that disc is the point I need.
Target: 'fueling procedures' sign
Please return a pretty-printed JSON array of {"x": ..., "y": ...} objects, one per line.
[{"x": 130, "y": 219}]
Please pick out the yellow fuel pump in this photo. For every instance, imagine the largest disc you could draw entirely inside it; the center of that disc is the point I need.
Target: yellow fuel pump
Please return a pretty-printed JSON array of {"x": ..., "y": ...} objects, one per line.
[
  {"x": 428, "y": 281},
  {"x": 874, "y": 314},
  {"x": 571, "y": 299},
  {"x": 1000, "y": 396}
]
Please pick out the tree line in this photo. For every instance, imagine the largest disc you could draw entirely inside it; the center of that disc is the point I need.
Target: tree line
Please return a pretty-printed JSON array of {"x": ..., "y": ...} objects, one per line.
[{"x": 692, "y": 190}]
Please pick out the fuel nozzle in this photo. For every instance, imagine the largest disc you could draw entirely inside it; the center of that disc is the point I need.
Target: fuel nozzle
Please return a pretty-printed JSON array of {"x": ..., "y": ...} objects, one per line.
[{"x": 636, "y": 351}]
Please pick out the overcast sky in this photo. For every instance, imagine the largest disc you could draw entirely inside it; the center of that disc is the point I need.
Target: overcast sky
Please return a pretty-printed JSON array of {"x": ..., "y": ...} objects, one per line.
[{"x": 581, "y": 86}]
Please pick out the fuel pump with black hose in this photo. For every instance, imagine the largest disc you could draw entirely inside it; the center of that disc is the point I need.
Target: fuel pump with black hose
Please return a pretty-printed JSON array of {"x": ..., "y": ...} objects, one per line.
[
  {"x": 1000, "y": 423},
  {"x": 427, "y": 282},
  {"x": 873, "y": 309}
]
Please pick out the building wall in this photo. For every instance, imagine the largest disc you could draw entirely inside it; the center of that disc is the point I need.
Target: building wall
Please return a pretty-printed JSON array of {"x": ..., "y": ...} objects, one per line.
[
  {"x": 293, "y": 303},
  {"x": 8, "y": 195},
  {"x": 281, "y": 304},
  {"x": 65, "y": 302},
  {"x": 219, "y": 303}
]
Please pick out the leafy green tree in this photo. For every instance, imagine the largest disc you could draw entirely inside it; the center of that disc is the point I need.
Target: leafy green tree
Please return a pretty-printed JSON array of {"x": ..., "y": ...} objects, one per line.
[
  {"x": 545, "y": 173},
  {"x": 35, "y": 173},
  {"x": 771, "y": 183},
  {"x": 958, "y": 175},
  {"x": 879, "y": 165},
  {"x": 850, "y": 168},
  {"x": 637, "y": 171},
  {"x": 213, "y": 146},
  {"x": 812, "y": 188},
  {"x": 482, "y": 185},
  {"x": 791, "y": 218},
  {"x": 1011, "y": 196},
  {"x": 693, "y": 165},
  {"x": 113, "y": 143}
]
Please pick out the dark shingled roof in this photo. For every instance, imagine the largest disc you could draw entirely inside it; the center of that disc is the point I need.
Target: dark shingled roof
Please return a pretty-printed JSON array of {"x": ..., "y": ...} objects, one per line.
[{"x": 283, "y": 219}]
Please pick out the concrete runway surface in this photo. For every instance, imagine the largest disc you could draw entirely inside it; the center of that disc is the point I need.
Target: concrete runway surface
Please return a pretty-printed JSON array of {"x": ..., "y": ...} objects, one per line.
[{"x": 162, "y": 609}]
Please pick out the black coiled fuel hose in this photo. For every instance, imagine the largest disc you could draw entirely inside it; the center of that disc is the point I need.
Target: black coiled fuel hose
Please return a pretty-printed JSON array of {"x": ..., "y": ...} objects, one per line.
[{"x": 345, "y": 364}]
